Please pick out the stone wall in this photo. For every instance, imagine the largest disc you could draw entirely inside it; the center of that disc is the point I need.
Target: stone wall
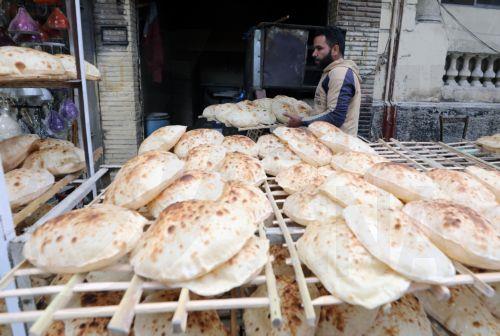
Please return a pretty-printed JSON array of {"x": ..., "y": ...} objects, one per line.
[{"x": 121, "y": 111}]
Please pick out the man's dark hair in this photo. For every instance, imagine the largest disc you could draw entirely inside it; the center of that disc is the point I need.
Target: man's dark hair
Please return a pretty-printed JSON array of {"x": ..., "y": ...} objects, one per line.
[{"x": 333, "y": 35}]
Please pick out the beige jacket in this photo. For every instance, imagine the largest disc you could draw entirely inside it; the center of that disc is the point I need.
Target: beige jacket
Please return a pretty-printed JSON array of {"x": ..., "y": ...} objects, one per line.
[{"x": 338, "y": 96}]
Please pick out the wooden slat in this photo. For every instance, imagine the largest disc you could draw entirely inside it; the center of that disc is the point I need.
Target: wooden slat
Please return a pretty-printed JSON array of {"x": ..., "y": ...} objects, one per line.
[
  {"x": 179, "y": 321},
  {"x": 470, "y": 157},
  {"x": 122, "y": 319}
]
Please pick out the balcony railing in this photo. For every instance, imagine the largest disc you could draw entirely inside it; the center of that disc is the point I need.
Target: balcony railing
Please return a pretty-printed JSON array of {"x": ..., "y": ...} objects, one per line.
[{"x": 472, "y": 70}]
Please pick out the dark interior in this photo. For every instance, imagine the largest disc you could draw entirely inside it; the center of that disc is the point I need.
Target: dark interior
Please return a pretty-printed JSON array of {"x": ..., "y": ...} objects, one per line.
[{"x": 204, "y": 47}]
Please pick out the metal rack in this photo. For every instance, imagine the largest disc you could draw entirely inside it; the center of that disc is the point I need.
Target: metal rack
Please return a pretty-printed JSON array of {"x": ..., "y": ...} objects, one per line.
[{"x": 8, "y": 237}]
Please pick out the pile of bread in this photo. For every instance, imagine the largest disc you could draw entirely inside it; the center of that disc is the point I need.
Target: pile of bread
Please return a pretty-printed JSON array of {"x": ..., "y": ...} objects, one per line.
[
  {"x": 490, "y": 143},
  {"x": 31, "y": 165},
  {"x": 372, "y": 224},
  {"x": 263, "y": 111},
  {"x": 26, "y": 64}
]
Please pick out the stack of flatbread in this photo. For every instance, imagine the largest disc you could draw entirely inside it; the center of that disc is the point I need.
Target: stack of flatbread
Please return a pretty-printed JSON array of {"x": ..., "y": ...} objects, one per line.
[
  {"x": 490, "y": 143},
  {"x": 195, "y": 138},
  {"x": 264, "y": 111},
  {"x": 205, "y": 246},
  {"x": 25, "y": 185},
  {"x": 24, "y": 64},
  {"x": 164, "y": 138},
  {"x": 338, "y": 141},
  {"x": 15, "y": 150}
]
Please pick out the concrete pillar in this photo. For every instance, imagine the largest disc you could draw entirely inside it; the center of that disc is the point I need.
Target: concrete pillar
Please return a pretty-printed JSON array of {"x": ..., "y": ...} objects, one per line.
[{"x": 428, "y": 11}]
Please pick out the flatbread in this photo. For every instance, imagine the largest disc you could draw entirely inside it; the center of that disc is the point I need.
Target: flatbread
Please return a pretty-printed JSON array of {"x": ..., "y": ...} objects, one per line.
[
  {"x": 355, "y": 162},
  {"x": 143, "y": 178},
  {"x": 350, "y": 189},
  {"x": 321, "y": 128},
  {"x": 192, "y": 185},
  {"x": 343, "y": 142},
  {"x": 268, "y": 143},
  {"x": 51, "y": 142},
  {"x": 326, "y": 171},
  {"x": 260, "y": 112},
  {"x": 279, "y": 160},
  {"x": 257, "y": 322},
  {"x": 462, "y": 314},
  {"x": 208, "y": 158},
  {"x": 282, "y": 105},
  {"x": 241, "y": 167},
  {"x": 195, "y": 138},
  {"x": 463, "y": 189},
  {"x": 242, "y": 144},
  {"x": 394, "y": 238},
  {"x": 346, "y": 269},
  {"x": 305, "y": 145},
  {"x": 26, "y": 63},
  {"x": 163, "y": 138},
  {"x": 493, "y": 215},
  {"x": 238, "y": 270},
  {"x": 199, "y": 323},
  {"x": 209, "y": 112},
  {"x": 492, "y": 303},
  {"x": 279, "y": 255},
  {"x": 406, "y": 183},
  {"x": 406, "y": 317},
  {"x": 490, "y": 143},
  {"x": 57, "y": 160},
  {"x": 13, "y": 151},
  {"x": 222, "y": 111},
  {"x": 191, "y": 238},
  {"x": 489, "y": 178},
  {"x": 264, "y": 111},
  {"x": 309, "y": 206},
  {"x": 69, "y": 64},
  {"x": 84, "y": 240},
  {"x": 25, "y": 185},
  {"x": 242, "y": 115},
  {"x": 460, "y": 232},
  {"x": 344, "y": 319},
  {"x": 250, "y": 197},
  {"x": 299, "y": 177}
]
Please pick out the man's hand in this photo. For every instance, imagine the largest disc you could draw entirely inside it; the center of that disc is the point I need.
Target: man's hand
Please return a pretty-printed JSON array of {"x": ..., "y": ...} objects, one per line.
[{"x": 293, "y": 121}]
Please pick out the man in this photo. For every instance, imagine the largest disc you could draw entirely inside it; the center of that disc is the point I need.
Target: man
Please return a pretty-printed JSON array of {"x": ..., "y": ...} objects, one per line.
[{"x": 338, "y": 95}]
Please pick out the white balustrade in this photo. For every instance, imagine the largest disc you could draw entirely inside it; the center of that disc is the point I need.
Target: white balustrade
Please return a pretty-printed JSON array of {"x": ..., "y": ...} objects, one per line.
[{"x": 459, "y": 73}]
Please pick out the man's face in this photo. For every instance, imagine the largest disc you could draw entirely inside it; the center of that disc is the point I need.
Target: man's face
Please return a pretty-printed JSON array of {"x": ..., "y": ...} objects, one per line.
[{"x": 322, "y": 53}]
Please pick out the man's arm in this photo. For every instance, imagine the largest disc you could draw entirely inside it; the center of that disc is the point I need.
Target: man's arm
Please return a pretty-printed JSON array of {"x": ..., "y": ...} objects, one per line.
[{"x": 341, "y": 89}]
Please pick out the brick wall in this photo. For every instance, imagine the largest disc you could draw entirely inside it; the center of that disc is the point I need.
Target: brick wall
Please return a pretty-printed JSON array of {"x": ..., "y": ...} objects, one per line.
[
  {"x": 121, "y": 111},
  {"x": 361, "y": 19}
]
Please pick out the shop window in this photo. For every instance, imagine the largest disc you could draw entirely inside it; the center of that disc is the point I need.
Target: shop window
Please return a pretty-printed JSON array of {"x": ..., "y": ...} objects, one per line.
[{"x": 478, "y": 3}]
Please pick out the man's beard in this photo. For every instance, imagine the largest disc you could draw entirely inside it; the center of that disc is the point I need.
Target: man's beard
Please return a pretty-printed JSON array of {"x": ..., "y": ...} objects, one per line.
[{"x": 323, "y": 63}]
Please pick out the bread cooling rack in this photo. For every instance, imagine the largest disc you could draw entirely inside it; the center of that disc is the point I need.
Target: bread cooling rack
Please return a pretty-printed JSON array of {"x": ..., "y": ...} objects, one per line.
[{"x": 280, "y": 230}]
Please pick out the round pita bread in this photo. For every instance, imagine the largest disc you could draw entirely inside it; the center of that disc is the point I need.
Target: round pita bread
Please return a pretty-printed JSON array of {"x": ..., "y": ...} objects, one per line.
[
  {"x": 69, "y": 64},
  {"x": 350, "y": 189},
  {"x": 241, "y": 167},
  {"x": 143, "y": 178},
  {"x": 460, "y": 232},
  {"x": 493, "y": 215},
  {"x": 264, "y": 111},
  {"x": 346, "y": 269},
  {"x": 195, "y": 138},
  {"x": 308, "y": 207},
  {"x": 57, "y": 160},
  {"x": 242, "y": 115},
  {"x": 25, "y": 185},
  {"x": 199, "y": 323},
  {"x": 261, "y": 113},
  {"x": 84, "y": 240},
  {"x": 268, "y": 143},
  {"x": 251, "y": 198},
  {"x": 257, "y": 321},
  {"x": 242, "y": 144},
  {"x": 238, "y": 270},
  {"x": 462, "y": 314},
  {"x": 321, "y": 128},
  {"x": 192, "y": 185},
  {"x": 343, "y": 142},
  {"x": 299, "y": 177},
  {"x": 406, "y": 317},
  {"x": 209, "y": 112},
  {"x": 463, "y": 189},
  {"x": 355, "y": 162},
  {"x": 406, "y": 183},
  {"x": 191, "y": 238},
  {"x": 14, "y": 151},
  {"x": 279, "y": 255},
  {"x": 51, "y": 142},
  {"x": 27, "y": 64},
  {"x": 279, "y": 160},
  {"x": 222, "y": 111},
  {"x": 163, "y": 138},
  {"x": 393, "y": 237},
  {"x": 490, "y": 143},
  {"x": 489, "y": 178},
  {"x": 326, "y": 171},
  {"x": 207, "y": 158},
  {"x": 281, "y": 108},
  {"x": 305, "y": 145},
  {"x": 344, "y": 319}
]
